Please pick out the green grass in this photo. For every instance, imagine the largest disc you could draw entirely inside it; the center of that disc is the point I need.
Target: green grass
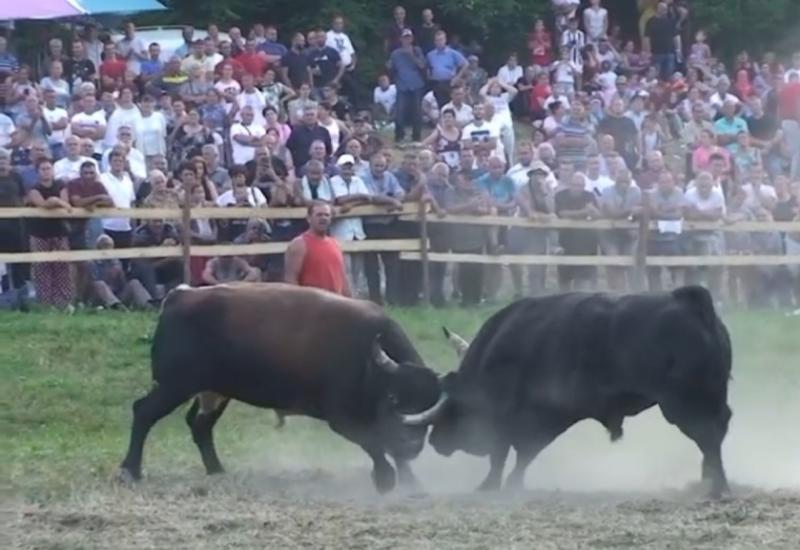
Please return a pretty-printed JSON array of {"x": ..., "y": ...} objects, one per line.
[{"x": 68, "y": 383}]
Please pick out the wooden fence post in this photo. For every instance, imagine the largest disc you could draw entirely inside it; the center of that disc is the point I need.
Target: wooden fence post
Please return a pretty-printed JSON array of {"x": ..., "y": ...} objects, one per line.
[
  {"x": 640, "y": 258},
  {"x": 423, "y": 250},
  {"x": 186, "y": 239}
]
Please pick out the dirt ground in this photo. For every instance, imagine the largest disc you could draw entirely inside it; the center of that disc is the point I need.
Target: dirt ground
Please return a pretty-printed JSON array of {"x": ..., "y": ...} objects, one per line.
[{"x": 278, "y": 511}]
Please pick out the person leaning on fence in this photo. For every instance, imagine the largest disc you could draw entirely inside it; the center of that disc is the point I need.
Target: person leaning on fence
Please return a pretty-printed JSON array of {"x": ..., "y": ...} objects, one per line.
[
  {"x": 704, "y": 203},
  {"x": 111, "y": 287},
  {"x": 665, "y": 203},
  {"x": 621, "y": 201},
  {"x": 574, "y": 202},
  {"x": 534, "y": 202},
  {"x": 52, "y": 281}
]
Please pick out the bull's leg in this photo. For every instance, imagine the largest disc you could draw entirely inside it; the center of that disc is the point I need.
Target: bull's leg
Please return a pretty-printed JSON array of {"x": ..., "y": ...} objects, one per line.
[
  {"x": 146, "y": 412},
  {"x": 405, "y": 475},
  {"x": 201, "y": 418},
  {"x": 707, "y": 431},
  {"x": 383, "y": 475},
  {"x": 497, "y": 463},
  {"x": 537, "y": 435}
]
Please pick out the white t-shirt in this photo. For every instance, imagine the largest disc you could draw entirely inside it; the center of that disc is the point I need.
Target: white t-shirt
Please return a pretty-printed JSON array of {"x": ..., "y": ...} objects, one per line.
[
  {"x": 151, "y": 138},
  {"x": 131, "y": 118},
  {"x": 255, "y": 100},
  {"x": 210, "y": 62},
  {"x": 429, "y": 104},
  {"x": 254, "y": 196},
  {"x": 509, "y": 76},
  {"x": 244, "y": 153},
  {"x": 340, "y": 42},
  {"x": 597, "y": 186},
  {"x": 502, "y": 112},
  {"x": 387, "y": 98},
  {"x": 122, "y": 193},
  {"x": 463, "y": 114},
  {"x": 135, "y": 160},
  {"x": 348, "y": 229},
  {"x": 52, "y": 116},
  {"x": 594, "y": 21},
  {"x": 94, "y": 120},
  {"x": 125, "y": 46},
  {"x": 67, "y": 170},
  {"x": 752, "y": 201},
  {"x": 7, "y": 128},
  {"x": 225, "y": 87},
  {"x": 715, "y": 200},
  {"x": 482, "y": 133}
]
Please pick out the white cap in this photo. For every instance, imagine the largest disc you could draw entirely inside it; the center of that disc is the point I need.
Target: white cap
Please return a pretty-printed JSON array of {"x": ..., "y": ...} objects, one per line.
[{"x": 345, "y": 159}]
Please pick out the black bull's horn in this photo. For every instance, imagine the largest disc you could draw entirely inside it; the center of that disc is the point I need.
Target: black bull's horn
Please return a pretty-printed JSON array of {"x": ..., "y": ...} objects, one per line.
[
  {"x": 382, "y": 360},
  {"x": 458, "y": 343},
  {"x": 428, "y": 416}
]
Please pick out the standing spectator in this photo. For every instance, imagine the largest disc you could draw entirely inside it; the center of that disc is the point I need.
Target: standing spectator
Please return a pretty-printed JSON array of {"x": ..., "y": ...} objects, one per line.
[
  {"x": 474, "y": 77},
  {"x": 51, "y": 280},
  {"x": 135, "y": 163},
  {"x": 55, "y": 81},
  {"x": 760, "y": 196},
  {"x": 217, "y": 173},
  {"x": 112, "y": 70},
  {"x": 152, "y": 67},
  {"x": 459, "y": 106},
  {"x": 665, "y": 204},
  {"x": 151, "y": 134},
  {"x": 57, "y": 122},
  {"x": 574, "y": 202},
  {"x": 303, "y": 135},
  {"x": 252, "y": 61},
  {"x": 662, "y": 39},
  {"x": 326, "y": 64},
  {"x": 12, "y": 195},
  {"x": 295, "y": 65},
  {"x": 407, "y": 63},
  {"x": 8, "y": 61},
  {"x": 120, "y": 188},
  {"x": 188, "y": 138},
  {"x": 620, "y": 201},
  {"x": 704, "y": 203},
  {"x": 79, "y": 68},
  {"x": 623, "y": 130},
  {"x": 540, "y": 44},
  {"x": 93, "y": 45},
  {"x": 125, "y": 114},
  {"x": 337, "y": 39},
  {"x": 394, "y": 31},
  {"x": 252, "y": 97},
  {"x": 511, "y": 72},
  {"x": 337, "y": 129},
  {"x": 69, "y": 167},
  {"x": 132, "y": 49},
  {"x": 573, "y": 40},
  {"x": 446, "y": 140},
  {"x": 445, "y": 66},
  {"x": 728, "y": 126},
  {"x": 480, "y": 134},
  {"x": 500, "y": 96},
  {"x": 314, "y": 259},
  {"x": 595, "y": 21},
  {"x": 193, "y": 92},
  {"x": 426, "y": 31},
  {"x": 296, "y": 107},
  {"x": 384, "y": 190}
]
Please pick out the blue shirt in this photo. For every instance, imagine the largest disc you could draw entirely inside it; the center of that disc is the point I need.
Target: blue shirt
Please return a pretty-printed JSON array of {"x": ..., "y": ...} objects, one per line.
[
  {"x": 386, "y": 186},
  {"x": 733, "y": 127},
  {"x": 408, "y": 76},
  {"x": 8, "y": 63},
  {"x": 445, "y": 63},
  {"x": 272, "y": 48},
  {"x": 500, "y": 189},
  {"x": 151, "y": 67}
]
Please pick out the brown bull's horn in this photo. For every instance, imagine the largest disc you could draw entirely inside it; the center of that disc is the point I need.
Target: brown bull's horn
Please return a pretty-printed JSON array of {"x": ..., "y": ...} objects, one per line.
[
  {"x": 458, "y": 343},
  {"x": 382, "y": 360},
  {"x": 425, "y": 417}
]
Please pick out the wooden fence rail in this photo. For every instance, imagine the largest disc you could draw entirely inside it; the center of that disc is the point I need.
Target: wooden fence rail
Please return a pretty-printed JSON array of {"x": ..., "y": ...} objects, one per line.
[{"x": 409, "y": 249}]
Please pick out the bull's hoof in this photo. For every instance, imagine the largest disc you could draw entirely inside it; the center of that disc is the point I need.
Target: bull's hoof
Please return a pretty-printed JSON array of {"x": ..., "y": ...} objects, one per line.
[
  {"x": 489, "y": 484},
  {"x": 384, "y": 480},
  {"x": 127, "y": 477},
  {"x": 215, "y": 470}
]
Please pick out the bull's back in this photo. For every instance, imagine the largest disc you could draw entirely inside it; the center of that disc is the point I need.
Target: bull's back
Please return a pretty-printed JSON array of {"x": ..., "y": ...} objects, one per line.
[{"x": 260, "y": 341}]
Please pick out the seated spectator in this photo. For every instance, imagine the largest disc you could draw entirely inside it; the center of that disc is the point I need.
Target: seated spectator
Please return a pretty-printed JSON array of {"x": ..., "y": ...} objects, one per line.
[
  {"x": 229, "y": 269},
  {"x": 256, "y": 231},
  {"x": 430, "y": 109},
  {"x": 705, "y": 150},
  {"x": 241, "y": 192},
  {"x": 69, "y": 167},
  {"x": 161, "y": 195},
  {"x": 274, "y": 122},
  {"x": 157, "y": 275},
  {"x": 111, "y": 287},
  {"x": 134, "y": 159}
]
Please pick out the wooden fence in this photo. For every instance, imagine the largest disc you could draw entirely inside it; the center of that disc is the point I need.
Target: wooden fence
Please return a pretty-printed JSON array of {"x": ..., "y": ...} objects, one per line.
[{"x": 416, "y": 249}]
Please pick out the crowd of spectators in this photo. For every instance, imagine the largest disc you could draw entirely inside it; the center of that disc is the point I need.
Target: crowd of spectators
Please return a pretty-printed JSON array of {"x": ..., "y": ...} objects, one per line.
[{"x": 582, "y": 123}]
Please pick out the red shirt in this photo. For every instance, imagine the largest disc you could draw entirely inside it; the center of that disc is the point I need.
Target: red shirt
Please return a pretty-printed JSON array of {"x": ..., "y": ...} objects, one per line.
[
  {"x": 113, "y": 68},
  {"x": 541, "y": 46},
  {"x": 788, "y": 101},
  {"x": 323, "y": 264},
  {"x": 252, "y": 63}
]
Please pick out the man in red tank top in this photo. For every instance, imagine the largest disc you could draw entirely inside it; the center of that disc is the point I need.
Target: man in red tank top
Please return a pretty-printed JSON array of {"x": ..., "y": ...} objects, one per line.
[{"x": 314, "y": 258}]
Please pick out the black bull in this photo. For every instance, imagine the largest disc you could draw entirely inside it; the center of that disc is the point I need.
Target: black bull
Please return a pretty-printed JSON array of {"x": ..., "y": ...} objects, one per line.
[
  {"x": 541, "y": 365},
  {"x": 292, "y": 349}
]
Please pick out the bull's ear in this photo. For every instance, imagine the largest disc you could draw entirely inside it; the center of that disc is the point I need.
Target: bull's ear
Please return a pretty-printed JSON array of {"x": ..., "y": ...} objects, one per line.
[
  {"x": 381, "y": 359},
  {"x": 458, "y": 343}
]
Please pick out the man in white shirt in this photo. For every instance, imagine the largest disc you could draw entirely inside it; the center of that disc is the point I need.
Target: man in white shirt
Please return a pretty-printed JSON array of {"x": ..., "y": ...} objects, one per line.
[
  {"x": 760, "y": 195},
  {"x": 510, "y": 72},
  {"x": 722, "y": 95},
  {"x": 136, "y": 161},
  {"x": 458, "y": 105},
  {"x": 120, "y": 188},
  {"x": 479, "y": 133},
  {"x": 250, "y": 96},
  {"x": 704, "y": 203},
  {"x": 595, "y": 21},
  {"x": 595, "y": 181},
  {"x": 58, "y": 120},
  {"x": 245, "y": 137},
  {"x": 337, "y": 39},
  {"x": 90, "y": 123},
  {"x": 132, "y": 49},
  {"x": 69, "y": 167},
  {"x": 525, "y": 163}
]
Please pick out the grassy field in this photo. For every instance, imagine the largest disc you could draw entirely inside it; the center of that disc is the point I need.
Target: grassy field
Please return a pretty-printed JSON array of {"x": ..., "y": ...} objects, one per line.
[{"x": 68, "y": 383}]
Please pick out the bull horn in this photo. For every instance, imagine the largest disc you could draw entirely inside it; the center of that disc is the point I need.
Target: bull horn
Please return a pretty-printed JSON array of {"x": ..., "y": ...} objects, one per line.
[
  {"x": 382, "y": 360},
  {"x": 458, "y": 343},
  {"x": 425, "y": 417}
]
